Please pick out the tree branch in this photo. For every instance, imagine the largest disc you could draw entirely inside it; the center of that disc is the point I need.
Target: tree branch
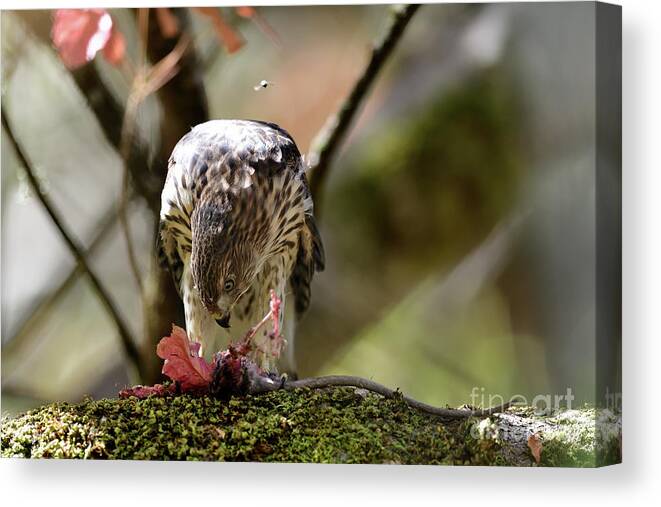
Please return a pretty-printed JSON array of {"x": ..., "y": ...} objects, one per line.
[
  {"x": 128, "y": 126},
  {"x": 184, "y": 104},
  {"x": 76, "y": 250},
  {"x": 332, "y": 425},
  {"x": 147, "y": 80},
  {"x": 327, "y": 142},
  {"x": 28, "y": 322},
  {"x": 108, "y": 112},
  {"x": 375, "y": 387}
]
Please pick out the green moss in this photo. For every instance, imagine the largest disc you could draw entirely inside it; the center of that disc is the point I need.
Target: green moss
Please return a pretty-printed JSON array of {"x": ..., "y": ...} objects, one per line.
[
  {"x": 582, "y": 438},
  {"x": 332, "y": 426}
]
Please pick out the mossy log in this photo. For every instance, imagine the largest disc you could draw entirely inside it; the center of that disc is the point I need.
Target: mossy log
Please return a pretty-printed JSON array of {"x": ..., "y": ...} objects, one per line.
[{"x": 333, "y": 425}]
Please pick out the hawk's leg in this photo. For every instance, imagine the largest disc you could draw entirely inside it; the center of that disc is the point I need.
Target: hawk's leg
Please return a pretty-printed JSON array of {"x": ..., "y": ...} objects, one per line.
[{"x": 287, "y": 362}]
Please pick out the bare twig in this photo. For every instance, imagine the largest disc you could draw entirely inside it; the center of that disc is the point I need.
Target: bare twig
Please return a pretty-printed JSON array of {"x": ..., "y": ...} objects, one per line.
[
  {"x": 128, "y": 126},
  {"x": 147, "y": 81},
  {"x": 184, "y": 105},
  {"x": 167, "y": 67},
  {"x": 76, "y": 250},
  {"x": 375, "y": 387},
  {"x": 183, "y": 102},
  {"x": 135, "y": 98},
  {"x": 143, "y": 33},
  {"x": 108, "y": 112},
  {"x": 327, "y": 142},
  {"x": 36, "y": 316}
]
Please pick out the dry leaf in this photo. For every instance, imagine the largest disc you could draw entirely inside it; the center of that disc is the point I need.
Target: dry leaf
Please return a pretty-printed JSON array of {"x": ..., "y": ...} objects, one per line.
[
  {"x": 167, "y": 22},
  {"x": 535, "y": 446},
  {"x": 79, "y": 34},
  {"x": 115, "y": 49},
  {"x": 262, "y": 24},
  {"x": 231, "y": 371},
  {"x": 245, "y": 12},
  {"x": 183, "y": 363},
  {"x": 230, "y": 38}
]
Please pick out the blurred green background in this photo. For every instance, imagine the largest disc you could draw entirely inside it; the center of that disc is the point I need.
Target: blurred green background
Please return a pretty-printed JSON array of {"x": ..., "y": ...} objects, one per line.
[{"x": 458, "y": 218}]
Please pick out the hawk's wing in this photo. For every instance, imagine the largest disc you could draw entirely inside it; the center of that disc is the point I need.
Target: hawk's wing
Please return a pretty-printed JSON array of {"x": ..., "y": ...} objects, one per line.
[
  {"x": 168, "y": 255},
  {"x": 310, "y": 258},
  {"x": 174, "y": 232}
]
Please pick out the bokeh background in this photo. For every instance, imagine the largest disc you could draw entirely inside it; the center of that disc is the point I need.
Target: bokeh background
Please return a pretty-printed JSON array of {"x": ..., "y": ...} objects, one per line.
[{"x": 458, "y": 219}]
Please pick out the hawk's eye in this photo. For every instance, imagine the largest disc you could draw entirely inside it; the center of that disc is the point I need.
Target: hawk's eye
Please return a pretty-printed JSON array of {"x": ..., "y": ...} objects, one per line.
[{"x": 228, "y": 285}]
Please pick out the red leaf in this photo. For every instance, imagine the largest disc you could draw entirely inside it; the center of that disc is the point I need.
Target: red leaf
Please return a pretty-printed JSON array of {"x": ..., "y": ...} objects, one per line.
[
  {"x": 167, "y": 22},
  {"x": 115, "y": 48},
  {"x": 183, "y": 363},
  {"x": 262, "y": 24},
  {"x": 232, "y": 40},
  {"x": 79, "y": 34},
  {"x": 245, "y": 12},
  {"x": 535, "y": 446}
]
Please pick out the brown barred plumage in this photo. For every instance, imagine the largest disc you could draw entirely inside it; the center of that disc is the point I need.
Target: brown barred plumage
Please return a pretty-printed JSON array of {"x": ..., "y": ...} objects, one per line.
[{"x": 236, "y": 221}]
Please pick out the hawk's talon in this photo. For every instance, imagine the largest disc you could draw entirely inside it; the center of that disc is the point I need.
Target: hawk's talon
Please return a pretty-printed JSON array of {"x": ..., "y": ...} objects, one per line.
[{"x": 276, "y": 377}]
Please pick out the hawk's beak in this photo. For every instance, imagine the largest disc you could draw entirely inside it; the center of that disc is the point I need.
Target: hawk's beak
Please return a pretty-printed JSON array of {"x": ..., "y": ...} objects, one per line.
[{"x": 224, "y": 321}]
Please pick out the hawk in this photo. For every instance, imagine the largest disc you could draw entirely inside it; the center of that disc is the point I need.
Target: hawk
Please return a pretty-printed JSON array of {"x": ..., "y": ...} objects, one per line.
[{"x": 237, "y": 221}]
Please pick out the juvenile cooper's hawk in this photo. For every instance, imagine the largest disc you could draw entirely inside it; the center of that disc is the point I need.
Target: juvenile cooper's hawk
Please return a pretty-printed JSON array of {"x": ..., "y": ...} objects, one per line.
[{"x": 236, "y": 222}]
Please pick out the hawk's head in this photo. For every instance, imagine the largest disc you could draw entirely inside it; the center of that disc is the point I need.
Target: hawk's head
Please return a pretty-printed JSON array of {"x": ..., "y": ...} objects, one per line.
[{"x": 223, "y": 263}]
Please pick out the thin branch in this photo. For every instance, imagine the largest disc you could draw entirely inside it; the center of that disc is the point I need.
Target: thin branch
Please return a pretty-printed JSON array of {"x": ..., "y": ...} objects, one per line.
[
  {"x": 234, "y": 376},
  {"x": 327, "y": 142},
  {"x": 147, "y": 81},
  {"x": 122, "y": 209},
  {"x": 362, "y": 383},
  {"x": 183, "y": 101},
  {"x": 143, "y": 33},
  {"x": 76, "y": 250},
  {"x": 35, "y": 317},
  {"x": 126, "y": 139},
  {"x": 183, "y": 98},
  {"x": 108, "y": 112}
]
